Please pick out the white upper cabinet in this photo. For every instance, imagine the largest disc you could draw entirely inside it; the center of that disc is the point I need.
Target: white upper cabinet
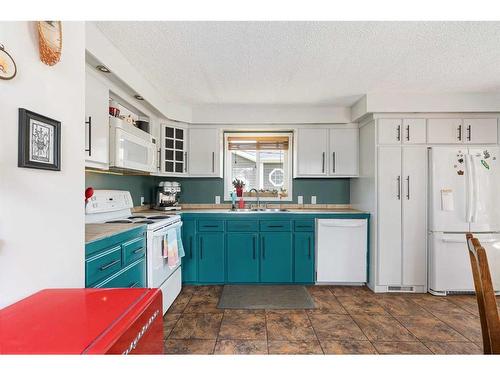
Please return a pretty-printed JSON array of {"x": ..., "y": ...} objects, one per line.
[
  {"x": 311, "y": 152},
  {"x": 444, "y": 130},
  {"x": 173, "y": 150},
  {"x": 393, "y": 131},
  {"x": 474, "y": 131},
  {"x": 480, "y": 130},
  {"x": 389, "y": 131},
  {"x": 96, "y": 123},
  {"x": 343, "y": 154},
  {"x": 205, "y": 152},
  {"x": 414, "y": 130}
]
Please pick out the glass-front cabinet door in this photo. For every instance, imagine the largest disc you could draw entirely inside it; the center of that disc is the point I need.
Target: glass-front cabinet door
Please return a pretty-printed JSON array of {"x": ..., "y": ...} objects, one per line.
[{"x": 174, "y": 142}]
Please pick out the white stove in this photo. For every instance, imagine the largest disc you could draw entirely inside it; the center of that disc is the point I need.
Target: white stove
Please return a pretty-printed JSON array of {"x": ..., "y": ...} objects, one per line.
[{"x": 114, "y": 206}]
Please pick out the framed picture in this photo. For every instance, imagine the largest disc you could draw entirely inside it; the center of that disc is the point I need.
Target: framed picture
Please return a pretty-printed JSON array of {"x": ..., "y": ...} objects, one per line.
[{"x": 39, "y": 141}]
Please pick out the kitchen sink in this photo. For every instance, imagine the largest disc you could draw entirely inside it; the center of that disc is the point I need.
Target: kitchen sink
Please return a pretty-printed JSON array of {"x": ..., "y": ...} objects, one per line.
[{"x": 261, "y": 210}]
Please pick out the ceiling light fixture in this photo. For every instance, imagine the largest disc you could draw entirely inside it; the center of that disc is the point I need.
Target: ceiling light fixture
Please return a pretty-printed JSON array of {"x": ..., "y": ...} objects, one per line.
[
  {"x": 103, "y": 69},
  {"x": 138, "y": 97}
]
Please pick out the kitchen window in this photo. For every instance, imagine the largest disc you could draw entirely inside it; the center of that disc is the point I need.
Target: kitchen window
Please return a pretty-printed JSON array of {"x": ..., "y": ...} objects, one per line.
[{"x": 263, "y": 161}]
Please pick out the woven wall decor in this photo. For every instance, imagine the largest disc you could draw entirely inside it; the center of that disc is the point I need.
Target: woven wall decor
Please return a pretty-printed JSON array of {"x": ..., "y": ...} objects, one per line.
[
  {"x": 8, "y": 67},
  {"x": 50, "y": 41}
]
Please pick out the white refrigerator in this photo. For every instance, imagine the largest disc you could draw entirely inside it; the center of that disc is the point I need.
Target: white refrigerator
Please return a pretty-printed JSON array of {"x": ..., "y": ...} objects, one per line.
[{"x": 463, "y": 197}]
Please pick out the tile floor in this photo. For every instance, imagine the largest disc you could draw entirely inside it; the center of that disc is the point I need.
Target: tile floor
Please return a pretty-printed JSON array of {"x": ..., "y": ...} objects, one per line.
[{"x": 346, "y": 320}]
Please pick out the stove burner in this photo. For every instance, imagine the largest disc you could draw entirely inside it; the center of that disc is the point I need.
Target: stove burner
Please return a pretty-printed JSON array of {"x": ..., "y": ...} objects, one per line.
[
  {"x": 122, "y": 221},
  {"x": 136, "y": 217},
  {"x": 145, "y": 221},
  {"x": 158, "y": 217}
]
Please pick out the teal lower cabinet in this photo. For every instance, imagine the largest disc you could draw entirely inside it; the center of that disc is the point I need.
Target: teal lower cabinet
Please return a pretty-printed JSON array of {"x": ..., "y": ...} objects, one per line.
[
  {"x": 117, "y": 261},
  {"x": 304, "y": 257},
  {"x": 190, "y": 260},
  {"x": 242, "y": 257},
  {"x": 211, "y": 257},
  {"x": 276, "y": 257}
]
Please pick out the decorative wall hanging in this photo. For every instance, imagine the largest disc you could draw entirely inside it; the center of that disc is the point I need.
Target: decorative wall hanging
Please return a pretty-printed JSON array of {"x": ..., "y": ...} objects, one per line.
[
  {"x": 8, "y": 68},
  {"x": 50, "y": 41},
  {"x": 39, "y": 141}
]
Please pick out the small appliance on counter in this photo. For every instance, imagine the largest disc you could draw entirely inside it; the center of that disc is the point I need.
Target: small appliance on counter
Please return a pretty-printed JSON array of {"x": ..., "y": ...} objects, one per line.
[
  {"x": 84, "y": 321},
  {"x": 167, "y": 196}
]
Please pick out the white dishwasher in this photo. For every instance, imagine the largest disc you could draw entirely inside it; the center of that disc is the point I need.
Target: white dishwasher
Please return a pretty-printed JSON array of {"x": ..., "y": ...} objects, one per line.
[{"x": 341, "y": 251}]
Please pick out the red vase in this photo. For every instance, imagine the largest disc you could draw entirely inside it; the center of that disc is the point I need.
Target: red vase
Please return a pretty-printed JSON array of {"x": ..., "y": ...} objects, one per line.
[{"x": 239, "y": 191}]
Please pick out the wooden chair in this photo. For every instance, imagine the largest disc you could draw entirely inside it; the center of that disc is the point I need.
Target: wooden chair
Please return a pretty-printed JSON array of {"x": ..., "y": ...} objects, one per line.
[{"x": 486, "y": 300}]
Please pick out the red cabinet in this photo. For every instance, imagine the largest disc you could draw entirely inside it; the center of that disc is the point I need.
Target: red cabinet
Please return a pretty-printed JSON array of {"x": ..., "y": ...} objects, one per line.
[{"x": 84, "y": 321}]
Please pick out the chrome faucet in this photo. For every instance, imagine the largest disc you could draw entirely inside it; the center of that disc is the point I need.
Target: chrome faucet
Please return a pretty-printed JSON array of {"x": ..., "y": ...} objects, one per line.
[{"x": 258, "y": 197}]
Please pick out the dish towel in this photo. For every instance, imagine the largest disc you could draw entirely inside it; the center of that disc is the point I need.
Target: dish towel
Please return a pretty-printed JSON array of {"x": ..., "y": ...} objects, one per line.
[
  {"x": 180, "y": 246},
  {"x": 170, "y": 250}
]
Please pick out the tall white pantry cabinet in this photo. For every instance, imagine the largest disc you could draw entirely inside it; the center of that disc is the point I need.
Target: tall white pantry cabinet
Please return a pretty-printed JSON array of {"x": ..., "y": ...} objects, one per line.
[{"x": 392, "y": 186}]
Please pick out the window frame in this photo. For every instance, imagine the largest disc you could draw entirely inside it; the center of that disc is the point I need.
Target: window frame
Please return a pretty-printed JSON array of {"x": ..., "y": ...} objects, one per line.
[{"x": 228, "y": 178}]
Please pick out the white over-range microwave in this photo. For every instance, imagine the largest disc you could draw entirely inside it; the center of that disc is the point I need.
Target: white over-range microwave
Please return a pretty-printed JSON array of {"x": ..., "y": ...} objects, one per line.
[{"x": 131, "y": 148}]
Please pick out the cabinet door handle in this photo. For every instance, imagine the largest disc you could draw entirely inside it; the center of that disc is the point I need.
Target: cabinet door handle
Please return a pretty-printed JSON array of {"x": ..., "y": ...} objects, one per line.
[
  {"x": 89, "y": 150},
  {"x": 133, "y": 285},
  {"x": 185, "y": 161},
  {"x": 469, "y": 132},
  {"x": 309, "y": 246},
  {"x": 263, "y": 248},
  {"x": 253, "y": 243},
  {"x": 333, "y": 162},
  {"x": 323, "y": 163},
  {"x": 111, "y": 264},
  {"x": 137, "y": 251},
  {"x": 159, "y": 160},
  {"x": 201, "y": 247},
  {"x": 190, "y": 247},
  {"x": 275, "y": 226},
  {"x": 459, "y": 133},
  {"x": 399, "y": 187},
  {"x": 213, "y": 162},
  {"x": 408, "y": 133},
  {"x": 408, "y": 187},
  {"x": 210, "y": 226},
  {"x": 398, "y": 133}
]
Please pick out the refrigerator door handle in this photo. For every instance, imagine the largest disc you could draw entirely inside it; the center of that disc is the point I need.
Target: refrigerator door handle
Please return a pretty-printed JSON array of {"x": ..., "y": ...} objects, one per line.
[
  {"x": 469, "y": 195},
  {"x": 475, "y": 190},
  {"x": 398, "y": 180}
]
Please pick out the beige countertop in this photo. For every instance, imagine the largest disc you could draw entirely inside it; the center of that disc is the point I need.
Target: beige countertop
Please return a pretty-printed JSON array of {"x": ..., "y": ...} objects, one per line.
[
  {"x": 225, "y": 210},
  {"x": 95, "y": 232}
]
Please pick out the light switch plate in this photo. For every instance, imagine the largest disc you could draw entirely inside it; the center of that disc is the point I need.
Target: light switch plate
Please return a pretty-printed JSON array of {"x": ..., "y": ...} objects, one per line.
[
  {"x": 300, "y": 199},
  {"x": 313, "y": 199},
  {"x": 217, "y": 199},
  {"x": 142, "y": 201}
]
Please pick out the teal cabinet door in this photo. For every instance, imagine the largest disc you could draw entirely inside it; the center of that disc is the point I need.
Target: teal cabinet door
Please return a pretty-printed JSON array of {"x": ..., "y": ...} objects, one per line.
[
  {"x": 190, "y": 260},
  {"x": 276, "y": 257},
  {"x": 211, "y": 257},
  {"x": 304, "y": 257},
  {"x": 242, "y": 257}
]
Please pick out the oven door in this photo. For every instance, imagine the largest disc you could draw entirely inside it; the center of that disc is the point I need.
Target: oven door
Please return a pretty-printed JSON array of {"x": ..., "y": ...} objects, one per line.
[
  {"x": 158, "y": 269},
  {"x": 132, "y": 152}
]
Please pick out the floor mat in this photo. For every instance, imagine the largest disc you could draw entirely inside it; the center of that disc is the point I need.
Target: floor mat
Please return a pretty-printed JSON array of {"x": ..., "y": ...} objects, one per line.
[{"x": 271, "y": 297}]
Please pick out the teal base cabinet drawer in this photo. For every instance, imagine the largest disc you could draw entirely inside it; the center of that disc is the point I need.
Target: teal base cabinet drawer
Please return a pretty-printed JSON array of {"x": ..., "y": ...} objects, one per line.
[
  {"x": 210, "y": 225},
  {"x": 103, "y": 265},
  {"x": 242, "y": 257},
  {"x": 242, "y": 226},
  {"x": 303, "y": 257},
  {"x": 275, "y": 226},
  {"x": 133, "y": 250},
  {"x": 133, "y": 276},
  {"x": 276, "y": 258},
  {"x": 211, "y": 257},
  {"x": 190, "y": 261},
  {"x": 303, "y": 225}
]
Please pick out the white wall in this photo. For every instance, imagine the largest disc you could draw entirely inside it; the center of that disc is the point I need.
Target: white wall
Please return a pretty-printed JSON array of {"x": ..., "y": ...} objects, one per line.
[{"x": 42, "y": 212}]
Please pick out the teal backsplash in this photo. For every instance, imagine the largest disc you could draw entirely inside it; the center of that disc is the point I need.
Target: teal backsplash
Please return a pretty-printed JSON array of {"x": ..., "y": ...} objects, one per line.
[{"x": 204, "y": 190}]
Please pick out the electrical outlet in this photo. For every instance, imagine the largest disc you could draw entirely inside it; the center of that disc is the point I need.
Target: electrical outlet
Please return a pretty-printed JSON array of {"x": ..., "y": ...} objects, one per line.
[
  {"x": 313, "y": 199},
  {"x": 300, "y": 199},
  {"x": 142, "y": 201},
  {"x": 217, "y": 199}
]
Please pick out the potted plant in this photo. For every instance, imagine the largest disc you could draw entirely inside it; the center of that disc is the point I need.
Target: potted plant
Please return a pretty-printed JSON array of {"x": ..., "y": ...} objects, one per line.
[{"x": 238, "y": 185}]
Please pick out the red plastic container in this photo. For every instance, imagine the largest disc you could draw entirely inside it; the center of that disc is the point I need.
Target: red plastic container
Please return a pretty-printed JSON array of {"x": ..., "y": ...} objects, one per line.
[{"x": 84, "y": 321}]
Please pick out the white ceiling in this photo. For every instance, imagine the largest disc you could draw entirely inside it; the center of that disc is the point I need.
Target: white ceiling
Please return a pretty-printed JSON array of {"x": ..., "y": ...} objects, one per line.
[{"x": 311, "y": 63}]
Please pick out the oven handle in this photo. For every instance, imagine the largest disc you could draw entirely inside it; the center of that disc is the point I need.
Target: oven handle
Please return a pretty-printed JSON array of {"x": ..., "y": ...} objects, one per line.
[{"x": 163, "y": 231}]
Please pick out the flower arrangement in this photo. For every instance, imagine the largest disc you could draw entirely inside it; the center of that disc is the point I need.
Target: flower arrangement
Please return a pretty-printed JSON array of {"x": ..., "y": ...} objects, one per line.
[{"x": 238, "y": 185}]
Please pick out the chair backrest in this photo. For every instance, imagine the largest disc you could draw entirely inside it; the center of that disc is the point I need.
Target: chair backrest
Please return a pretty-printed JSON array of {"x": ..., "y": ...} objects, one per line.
[{"x": 486, "y": 300}]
